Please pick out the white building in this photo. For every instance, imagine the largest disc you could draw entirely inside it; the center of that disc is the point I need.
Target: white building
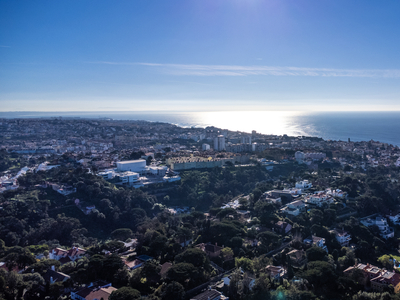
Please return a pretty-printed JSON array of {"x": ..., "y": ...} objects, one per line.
[
  {"x": 316, "y": 241},
  {"x": 303, "y": 185},
  {"x": 106, "y": 174},
  {"x": 246, "y": 139},
  {"x": 138, "y": 165},
  {"x": 341, "y": 236},
  {"x": 219, "y": 143},
  {"x": 299, "y": 156},
  {"x": 158, "y": 170},
  {"x": 128, "y": 177},
  {"x": 205, "y": 147},
  {"x": 385, "y": 231},
  {"x": 320, "y": 199},
  {"x": 294, "y": 208}
]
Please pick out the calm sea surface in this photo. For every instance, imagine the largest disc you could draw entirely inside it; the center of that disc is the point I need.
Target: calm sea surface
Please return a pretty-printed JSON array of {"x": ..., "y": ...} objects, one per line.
[{"x": 358, "y": 126}]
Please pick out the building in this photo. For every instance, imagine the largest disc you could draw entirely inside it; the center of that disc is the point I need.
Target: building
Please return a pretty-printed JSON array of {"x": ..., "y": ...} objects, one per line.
[
  {"x": 246, "y": 139},
  {"x": 64, "y": 256},
  {"x": 294, "y": 208},
  {"x": 138, "y": 165},
  {"x": 198, "y": 162},
  {"x": 52, "y": 276},
  {"x": 303, "y": 185},
  {"x": 93, "y": 292},
  {"x": 297, "y": 258},
  {"x": 205, "y": 147},
  {"x": 128, "y": 177},
  {"x": 320, "y": 199},
  {"x": 385, "y": 231},
  {"x": 275, "y": 272},
  {"x": 210, "y": 249},
  {"x": 299, "y": 156},
  {"x": 282, "y": 227},
  {"x": 379, "y": 279},
  {"x": 316, "y": 241},
  {"x": 219, "y": 143},
  {"x": 342, "y": 237},
  {"x": 209, "y": 294}
]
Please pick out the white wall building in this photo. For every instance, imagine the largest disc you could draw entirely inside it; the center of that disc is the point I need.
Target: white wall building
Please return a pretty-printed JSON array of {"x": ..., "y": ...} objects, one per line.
[
  {"x": 219, "y": 143},
  {"x": 138, "y": 165},
  {"x": 205, "y": 147},
  {"x": 385, "y": 231},
  {"x": 303, "y": 185}
]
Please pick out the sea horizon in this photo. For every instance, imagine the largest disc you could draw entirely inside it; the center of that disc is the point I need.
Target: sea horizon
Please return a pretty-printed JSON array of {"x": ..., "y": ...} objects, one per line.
[{"x": 330, "y": 125}]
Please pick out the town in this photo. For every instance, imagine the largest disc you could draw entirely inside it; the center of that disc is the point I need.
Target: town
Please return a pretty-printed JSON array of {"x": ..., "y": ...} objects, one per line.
[{"x": 118, "y": 209}]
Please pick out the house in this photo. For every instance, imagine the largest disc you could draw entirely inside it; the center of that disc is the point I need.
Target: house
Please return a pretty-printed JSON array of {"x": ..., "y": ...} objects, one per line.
[
  {"x": 303, "y": 185},
  {"x": 316, "y": 241},
  {"x": 275, "y": 272},
  {"x": 209, "y": 294},
  {"x": 134, "y": 264},
  {"x": 341, "y": 236},
  {"x": 210, "y": 249},
  {"x": 294, "y": 208},
  {"x": 164, "y": 269},
  {"x": 395, "y": 218},
  {"x": 251, "y": 278},
  {"x": 298, "y": 258},
  {"x": 64, "y": 256},
  {"x": 183, "y": 241},
  {"x": 16, "y": 269},
  {"x": 282, "y": 227},
  {"x": 53, "y": 276},
  {"x": 379, "y": 279},
  {"x": 276, "y": 199},
  {"x": 320, "y": 199},
  {"x": 138, "y": 262},
  {"x": 93, "y": 293},
  {"x": 385, "y": 231}
]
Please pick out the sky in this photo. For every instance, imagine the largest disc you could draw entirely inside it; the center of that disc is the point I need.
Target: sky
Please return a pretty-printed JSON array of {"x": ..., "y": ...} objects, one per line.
[{"x": 199, "y": 55}]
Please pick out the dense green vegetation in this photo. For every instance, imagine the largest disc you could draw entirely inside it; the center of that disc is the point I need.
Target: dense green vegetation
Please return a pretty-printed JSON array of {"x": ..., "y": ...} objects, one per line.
[{"x": 34, "y": 220}]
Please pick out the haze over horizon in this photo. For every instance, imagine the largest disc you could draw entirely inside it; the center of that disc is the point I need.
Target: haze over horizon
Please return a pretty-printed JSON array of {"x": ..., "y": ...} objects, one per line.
[{"x": 199, "y": 55}]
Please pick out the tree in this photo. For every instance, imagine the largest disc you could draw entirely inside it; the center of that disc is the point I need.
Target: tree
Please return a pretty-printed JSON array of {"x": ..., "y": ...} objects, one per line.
[
  {"x": 386, "y": 261},
  {"x": 181, "y": 272},
  {"x": 125, "y": 293},
  {"x": 244, "y": 263},
  {"x": 174, "y": 290},
  {"x": 194, "y": 256},
  {"x": 227, "y": 253},
  {"x": 316, "y": 253},
  {"x": 122, "y": 234}
]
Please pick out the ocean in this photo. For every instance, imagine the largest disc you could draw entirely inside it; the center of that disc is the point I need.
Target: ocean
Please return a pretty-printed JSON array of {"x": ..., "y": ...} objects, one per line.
[{"x": 358, "y": 126}]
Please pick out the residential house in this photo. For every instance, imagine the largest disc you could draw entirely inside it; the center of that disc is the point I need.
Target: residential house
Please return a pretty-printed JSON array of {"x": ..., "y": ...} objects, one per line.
[
  {"x": 164, "y": 269},
  {"x": 294, "y": 208},
  {"x": 379, "y": 279},
  {"x": 282, "y": 227},
  {"x": 64, "y": 256},
  {"x": 316, "y": 241},
  {"x": 298, "y": 258},
  {"x": 209, "y": 294},
  {"x": 385, "y": 231},
  {"x": 53, "y": 276},
  {"x": 210, "y": 249},
  {"x": 138, "y": 262},
  {"x": 94, "y": 292},
  {"x": 275, "y": 272},
  {"x": 320, "y": 199},
  {"x": 303, "y": 185},
  {"x": 341, "y": 236}
]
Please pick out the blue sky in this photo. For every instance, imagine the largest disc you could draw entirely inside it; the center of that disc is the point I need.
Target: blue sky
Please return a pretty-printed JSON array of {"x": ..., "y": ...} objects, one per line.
[{"x": 199, "y": 55}]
